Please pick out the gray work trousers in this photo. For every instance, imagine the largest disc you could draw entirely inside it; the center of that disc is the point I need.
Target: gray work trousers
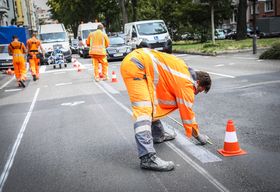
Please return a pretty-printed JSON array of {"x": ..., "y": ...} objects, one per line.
[{"x": 144, "y": 139}]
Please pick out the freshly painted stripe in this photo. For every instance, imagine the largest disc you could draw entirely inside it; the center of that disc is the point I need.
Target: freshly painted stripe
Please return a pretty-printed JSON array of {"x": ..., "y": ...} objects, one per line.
[
  {"x": 5, "y": 84},
  {"x": 62, "y": 84},
  {"x": 231, "y": 137},
  {"x": 218, "y": 74},
  {"x": 220, "y": 65},
  {"x": 202, "y": 171},
  {"x": 12, "y": 155},
  {"x": 109, "y": 88},
  {"x": 58, "y": 73},
  {"x": 257, "y": 84},
  {"x": 198, "y": 168},
  {"x": 12, "y": 90}
]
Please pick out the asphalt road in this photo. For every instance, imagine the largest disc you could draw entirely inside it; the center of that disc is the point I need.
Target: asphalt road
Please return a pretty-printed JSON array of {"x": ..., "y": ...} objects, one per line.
[{"x": 66, "y": 132}]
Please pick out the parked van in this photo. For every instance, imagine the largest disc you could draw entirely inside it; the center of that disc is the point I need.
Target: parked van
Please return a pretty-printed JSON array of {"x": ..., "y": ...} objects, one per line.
[
  {"x": 83, "y": 31},
  {"x": 149, "y": 33},
  {"x": 53, "y": 36}
]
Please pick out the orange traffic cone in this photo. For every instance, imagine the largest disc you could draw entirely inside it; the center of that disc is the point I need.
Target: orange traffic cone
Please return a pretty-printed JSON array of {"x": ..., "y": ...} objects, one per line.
[
  {"x": 231, "y": 145},
  {"x": 74, "y": 61},
  {"x": 114, "y": 77},
  {"x": 9, "y": 71}
]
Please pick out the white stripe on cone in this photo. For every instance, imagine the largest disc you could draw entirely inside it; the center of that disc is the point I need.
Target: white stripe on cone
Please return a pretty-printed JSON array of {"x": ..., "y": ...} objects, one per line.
[{"x": 231, "y": 137}]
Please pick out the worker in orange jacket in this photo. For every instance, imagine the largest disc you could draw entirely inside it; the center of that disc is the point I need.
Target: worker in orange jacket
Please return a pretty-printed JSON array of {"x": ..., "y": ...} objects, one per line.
[
  {"x": 98, "y": 42},
  {"x": 159, "y": 83},
  {"x": 18, "y": 51},
  {"x": 33, "y": 45}
]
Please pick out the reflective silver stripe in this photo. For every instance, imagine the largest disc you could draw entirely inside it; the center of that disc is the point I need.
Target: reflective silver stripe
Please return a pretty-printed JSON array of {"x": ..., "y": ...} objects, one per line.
[
  {"x": 19, "y": 55},
  {"x": 188, "y": 122},
  {"x": 137, "y": 62},
  {"x": 144, "y": 117},
  {"x": 141, "y": 104},
  {"x": 167, "y": 102},
  {"x": 166, "y": 68},
  {"x": 142, "y": 128},
  {"x": 183, "y": 101}
]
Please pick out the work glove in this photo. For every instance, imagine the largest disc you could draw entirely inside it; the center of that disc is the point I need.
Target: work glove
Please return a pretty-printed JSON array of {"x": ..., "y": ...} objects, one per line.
[{"x": 202, "y": 139}]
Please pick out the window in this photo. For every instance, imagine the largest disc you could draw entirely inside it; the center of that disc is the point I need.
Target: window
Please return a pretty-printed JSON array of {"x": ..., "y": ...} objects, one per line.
[
  {"x": 268, "y": 6},
  {"x": 257, "y": 9}
]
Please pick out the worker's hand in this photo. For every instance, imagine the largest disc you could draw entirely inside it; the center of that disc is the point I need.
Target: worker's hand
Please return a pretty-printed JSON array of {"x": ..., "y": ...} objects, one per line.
[{"x": 202, "y": 139}]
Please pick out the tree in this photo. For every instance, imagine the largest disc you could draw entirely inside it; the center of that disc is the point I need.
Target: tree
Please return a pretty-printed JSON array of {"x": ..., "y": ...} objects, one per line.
[{"x": 241, "y": 21}]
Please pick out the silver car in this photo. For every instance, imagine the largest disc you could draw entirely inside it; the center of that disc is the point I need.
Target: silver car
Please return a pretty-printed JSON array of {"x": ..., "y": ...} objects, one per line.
[{"x": 6, "y": 61}]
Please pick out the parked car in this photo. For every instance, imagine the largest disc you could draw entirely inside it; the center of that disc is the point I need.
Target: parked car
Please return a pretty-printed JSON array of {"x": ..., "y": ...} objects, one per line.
[
  {"x": 117, "y": 49},
  {"x": 74, "y": 46},
  {"x": 6, "y": 61},
  {"x": 231, "y": 35},
  {"x": 219, "y": 34}
]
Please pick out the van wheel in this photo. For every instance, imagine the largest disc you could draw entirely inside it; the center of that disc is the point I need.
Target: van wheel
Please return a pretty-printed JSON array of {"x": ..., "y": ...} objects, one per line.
[
  {"x": 60, "y": 66},
  {"x": 65, "y": 65}
]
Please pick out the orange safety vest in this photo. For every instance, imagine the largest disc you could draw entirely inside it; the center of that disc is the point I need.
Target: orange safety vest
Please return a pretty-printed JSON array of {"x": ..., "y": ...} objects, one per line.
[
  {"x": 17, "y": 49},
  {"x": 97, "y": 42},
  {"x": 170, "y": 83},
  {"x": 33, "y": 44}
]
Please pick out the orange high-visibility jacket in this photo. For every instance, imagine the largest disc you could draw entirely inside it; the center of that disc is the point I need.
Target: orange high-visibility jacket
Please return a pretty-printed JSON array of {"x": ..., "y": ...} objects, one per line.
[
  {"x": 33, "y": 44},
  {"x": 97, "y": 42},
  {"x": 170, "y": 84},
  {"x": 17, "y": 49}
]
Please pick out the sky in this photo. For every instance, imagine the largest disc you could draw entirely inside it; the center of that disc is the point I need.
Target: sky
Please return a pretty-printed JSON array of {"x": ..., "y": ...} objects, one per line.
[{"x": 41, "y": 3}]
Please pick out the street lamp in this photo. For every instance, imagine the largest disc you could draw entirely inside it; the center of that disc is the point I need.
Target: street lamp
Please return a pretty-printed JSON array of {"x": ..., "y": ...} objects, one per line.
[{"x": 254, "y": 27}]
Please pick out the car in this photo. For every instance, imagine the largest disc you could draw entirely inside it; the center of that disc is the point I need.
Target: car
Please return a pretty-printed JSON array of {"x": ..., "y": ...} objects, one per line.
[
  {"x": 231, "y": 35},
  {"x": 117, "y": 49},
  {"x": 6, "y": 60},
  {"x": 219, "y": 34}
]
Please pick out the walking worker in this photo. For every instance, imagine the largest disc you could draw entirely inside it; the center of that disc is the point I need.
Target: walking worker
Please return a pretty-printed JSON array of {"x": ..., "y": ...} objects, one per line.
[
  {"x": 18, "y": 51},
  {"x": 157, "y": 84},
  {"x": 98, "y": 42},
  {"x": 33, "y": 45}
]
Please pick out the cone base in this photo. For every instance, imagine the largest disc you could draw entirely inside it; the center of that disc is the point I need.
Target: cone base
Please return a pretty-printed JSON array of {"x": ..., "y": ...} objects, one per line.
[
  {"x": 114, "y": 81},
  {"x": 234, "y": 153}
]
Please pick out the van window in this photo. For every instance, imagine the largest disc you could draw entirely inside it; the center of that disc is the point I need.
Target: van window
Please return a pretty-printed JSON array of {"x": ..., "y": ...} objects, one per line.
[
  {"x": 151, "y": 28},
  {"x": 53, "y": 37},
  {"x": 85, "y": 33}
]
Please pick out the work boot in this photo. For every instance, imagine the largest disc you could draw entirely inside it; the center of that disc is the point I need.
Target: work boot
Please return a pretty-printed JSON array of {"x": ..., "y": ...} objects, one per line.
[
  {"x": 34, "y": 77},
  {"x": 21, "y": 84},
  {"x": 202, "y": 139},
  {"x": 97, "y": 79},
  {"x": 165, "y": 137},
  {"x": 152, "y": 162}
]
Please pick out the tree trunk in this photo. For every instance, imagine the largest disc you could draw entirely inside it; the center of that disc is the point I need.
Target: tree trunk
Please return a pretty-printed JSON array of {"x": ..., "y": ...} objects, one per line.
[
  {"x": 134, "y": 10},
  {"x": 124, "y": 13},
  {"x": 241, "y": 20}
]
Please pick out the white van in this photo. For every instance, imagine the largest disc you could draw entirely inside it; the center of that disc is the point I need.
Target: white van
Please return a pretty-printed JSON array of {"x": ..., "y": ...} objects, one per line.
[
  {"x": 83, "y": 31},
  {"x": 53, "y": 36},
  {"x": 149, "y": 33}
]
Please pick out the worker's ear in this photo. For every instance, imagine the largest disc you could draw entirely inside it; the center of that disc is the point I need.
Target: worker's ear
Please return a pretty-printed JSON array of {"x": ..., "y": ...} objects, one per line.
[{"x": 197, "y": 82}]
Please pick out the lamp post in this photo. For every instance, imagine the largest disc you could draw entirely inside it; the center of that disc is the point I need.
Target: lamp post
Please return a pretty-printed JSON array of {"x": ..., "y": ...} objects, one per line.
[{"x": 254, "y": 27}]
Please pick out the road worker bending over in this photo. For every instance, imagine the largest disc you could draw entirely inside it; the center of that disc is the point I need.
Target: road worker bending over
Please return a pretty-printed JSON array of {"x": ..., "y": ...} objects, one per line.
[
  {"x": 18, "y": 50},
  {"x": 157, "y": 84},
  {"x": 33, "y": 45},
  {"x": 98, "y": 42}
]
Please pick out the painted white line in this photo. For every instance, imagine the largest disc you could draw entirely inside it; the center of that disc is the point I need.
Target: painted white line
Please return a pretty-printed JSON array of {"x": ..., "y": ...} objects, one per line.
[
  {"x": 73, "y": 104},
  {"x": 202, "y": 171},
  {"x": 7, "y": 82},
  {"x": 198, "y": 168},
  {"x": 198, "y": 152},
  {"x": 12, "y": 155},
  {"x": 231, "y": 63},
  {"x": 109, "y": 88},
  {"x": 12, "y": 90},
  {"x": 220, "y": 65},
  {"x": 58, "y": 73},
  {"x": 218, "y": 74},
  {"x": 260, "y": 60},
  {"x": 246, "y": 58},
  {"x": 257, "y": 84},
  {"x": 62, "y": 84},
  {"x": 42, "y": 69}
]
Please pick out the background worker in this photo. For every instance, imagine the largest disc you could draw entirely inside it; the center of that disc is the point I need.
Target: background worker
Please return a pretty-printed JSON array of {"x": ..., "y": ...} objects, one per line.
[
  {"x": 18, "y": 51},
  {"x": 98, "y": 42},
  {"x": 33, "y": 45},
  {"x": 157, "y": 84}
]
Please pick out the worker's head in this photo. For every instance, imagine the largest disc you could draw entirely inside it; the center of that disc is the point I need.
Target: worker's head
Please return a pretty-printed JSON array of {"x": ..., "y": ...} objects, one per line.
[
  {"x": 203, "y": 82},
  {"x": 34, "y": 34},
  {"x": 15, "y": 37},
  {"x": 100, "y": 26}
]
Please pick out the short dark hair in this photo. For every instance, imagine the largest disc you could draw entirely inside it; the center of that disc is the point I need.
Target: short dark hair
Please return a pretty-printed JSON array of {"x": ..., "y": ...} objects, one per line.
[
  {"x": 100, "y": 26},
  {"x": 204, "y": 80},
  {"x": 15, "y": 37}
]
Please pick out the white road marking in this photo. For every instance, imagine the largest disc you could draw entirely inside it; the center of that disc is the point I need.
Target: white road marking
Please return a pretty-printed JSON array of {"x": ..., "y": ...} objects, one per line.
[
  {"x": 219, "y": 74},
  {"x": 12, "y": 90},
  {"x": 202, "y": 171},
  {"x": 42, "y": 69},
  {"x": 109, "y": 88},
  {"x": 62, "y": 84},
  {"x": 73, "y": 104},
  {"x": 220, "y": 65},
  {"x": 231, "y": 63},
  {"x": 257, "y": 84},
  {"x": 7, "y": 82},
  {"x": 12, "y": 155},
  {"x": 260, "y": 60},
  {"x": 58, "y": 73}
]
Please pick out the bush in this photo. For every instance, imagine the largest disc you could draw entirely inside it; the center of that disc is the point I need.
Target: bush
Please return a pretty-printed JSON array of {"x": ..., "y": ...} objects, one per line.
[{"x": 272, "y": 53}]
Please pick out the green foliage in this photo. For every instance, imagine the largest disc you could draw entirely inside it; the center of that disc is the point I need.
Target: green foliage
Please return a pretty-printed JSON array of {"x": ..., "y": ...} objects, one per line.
[{"x": 272, "y": 53}]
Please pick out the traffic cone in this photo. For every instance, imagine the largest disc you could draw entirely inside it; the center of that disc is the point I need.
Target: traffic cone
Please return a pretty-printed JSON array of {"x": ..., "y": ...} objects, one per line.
[
  {"x": 114, "y": 77},
  {"x": 100, "y": 72},
  {"x": 9, "y": 71},
  {"x": 74, "y": 62},
  {"x": 79, "y": 67},
  {"x": 231, "y": 145}
]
